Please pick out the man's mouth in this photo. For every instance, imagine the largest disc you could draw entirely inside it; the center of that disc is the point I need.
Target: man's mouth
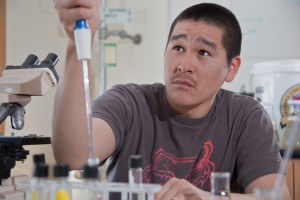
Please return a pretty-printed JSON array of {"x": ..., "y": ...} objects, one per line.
[{"x": 183, "y": 80}]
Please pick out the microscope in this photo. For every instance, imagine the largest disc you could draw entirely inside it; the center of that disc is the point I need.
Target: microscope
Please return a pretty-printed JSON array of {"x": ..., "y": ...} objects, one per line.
[{"x": 17, "y": 85}]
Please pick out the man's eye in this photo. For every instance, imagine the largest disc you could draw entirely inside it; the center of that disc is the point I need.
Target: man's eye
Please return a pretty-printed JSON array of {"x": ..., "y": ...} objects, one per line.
[
  {"x": 178, "y": 48},
  {"x": 203, "y": 53}
]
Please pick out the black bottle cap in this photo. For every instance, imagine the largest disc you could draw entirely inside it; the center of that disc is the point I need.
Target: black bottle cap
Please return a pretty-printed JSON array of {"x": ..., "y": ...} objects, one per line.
[
  {"x": 90, "y": 172},
  {"x": 40, "y": 170},
  {"x": 135, "y": 161},
  {"x": 39, "y": 159},
  {"x": 61, "y": 170}
]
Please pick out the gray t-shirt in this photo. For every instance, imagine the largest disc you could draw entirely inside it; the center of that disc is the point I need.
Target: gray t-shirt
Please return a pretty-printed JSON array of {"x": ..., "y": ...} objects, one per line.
[{"x": 236, "y": 136}]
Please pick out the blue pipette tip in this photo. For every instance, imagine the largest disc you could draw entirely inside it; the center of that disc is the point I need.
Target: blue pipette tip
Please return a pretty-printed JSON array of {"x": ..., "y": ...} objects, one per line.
[{"x": 81, "y": 24}]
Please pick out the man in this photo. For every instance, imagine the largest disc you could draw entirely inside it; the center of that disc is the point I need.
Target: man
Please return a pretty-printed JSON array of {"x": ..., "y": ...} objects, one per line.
[{"x": 184, "y": 129}]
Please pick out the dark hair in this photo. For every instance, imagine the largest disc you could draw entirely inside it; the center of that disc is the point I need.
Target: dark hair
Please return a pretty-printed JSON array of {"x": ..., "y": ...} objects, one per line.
[{"x": 219, "y": 16}]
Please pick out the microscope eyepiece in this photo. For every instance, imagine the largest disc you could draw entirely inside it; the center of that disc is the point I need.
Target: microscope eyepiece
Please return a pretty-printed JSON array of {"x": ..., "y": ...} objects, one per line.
[
  {"x": 31, "y": 60},
  {"x": 51, "y": 58}
]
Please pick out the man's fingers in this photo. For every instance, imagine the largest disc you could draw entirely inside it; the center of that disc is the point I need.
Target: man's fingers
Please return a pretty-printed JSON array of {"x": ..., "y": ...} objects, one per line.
[
  {"x": 70, "y": 11},
  {"x": 179, "y": 197},
  {"x": 72, "y": 3},
  {"x": 173, "y": 190},
  {"x": 69, "y": 16},
  {"x": 166, "y": 189}
]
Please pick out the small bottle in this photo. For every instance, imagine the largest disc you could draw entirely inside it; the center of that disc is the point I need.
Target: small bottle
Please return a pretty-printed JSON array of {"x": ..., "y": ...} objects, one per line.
[
  {"x": 135, "y": 175},
  {"x": 90, "y": 176},
  {"x": 62, "y": 190},
  {"x": 220, "y": 186},
  {"x": 40, "y": 189}
]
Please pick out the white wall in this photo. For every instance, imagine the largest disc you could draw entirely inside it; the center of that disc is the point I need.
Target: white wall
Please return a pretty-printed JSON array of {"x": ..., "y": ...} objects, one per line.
[
  {"x": 142, "y": 63},
  {"x": 33, "y": 27}
]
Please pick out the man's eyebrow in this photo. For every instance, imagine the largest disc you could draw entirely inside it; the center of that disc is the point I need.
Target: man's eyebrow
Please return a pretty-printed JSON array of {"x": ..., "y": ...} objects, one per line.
[
  {"x": 200, "y": 40},
  {"x": 207, "y": 42},
  {"x": 177, "y": 37}
]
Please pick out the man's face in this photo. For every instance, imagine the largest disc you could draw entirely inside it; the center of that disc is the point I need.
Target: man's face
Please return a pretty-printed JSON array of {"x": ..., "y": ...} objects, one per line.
[{"x": 195, "y": 66}]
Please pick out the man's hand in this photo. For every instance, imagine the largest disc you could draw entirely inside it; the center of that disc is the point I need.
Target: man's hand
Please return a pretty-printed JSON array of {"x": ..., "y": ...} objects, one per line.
[
  {"x": 69, "y": 11},
  {"x": 180, "y": 189}
]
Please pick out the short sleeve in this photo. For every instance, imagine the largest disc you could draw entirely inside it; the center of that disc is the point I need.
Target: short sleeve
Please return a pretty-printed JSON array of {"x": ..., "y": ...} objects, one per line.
[
  {"x": 114, "y": 107},
  {"x": 257, "y": 148}
]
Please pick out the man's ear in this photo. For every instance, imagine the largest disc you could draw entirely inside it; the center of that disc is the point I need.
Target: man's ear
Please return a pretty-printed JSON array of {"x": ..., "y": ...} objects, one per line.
[{"x": 233, "y": 68}]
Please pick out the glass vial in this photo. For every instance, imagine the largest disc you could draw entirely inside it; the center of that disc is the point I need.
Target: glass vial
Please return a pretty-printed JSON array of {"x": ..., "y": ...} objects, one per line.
[
  {"x": 90, "y": 176},
  {"x": 135, "y": 175},
  {"x": 40, "y": 189},
  {"x": 220, "y": 186},
  {"x": 61, "y": 187}
]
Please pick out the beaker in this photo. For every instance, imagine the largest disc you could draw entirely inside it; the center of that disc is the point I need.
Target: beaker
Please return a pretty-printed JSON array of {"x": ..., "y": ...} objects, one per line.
[{"x": 220, "y": 186}]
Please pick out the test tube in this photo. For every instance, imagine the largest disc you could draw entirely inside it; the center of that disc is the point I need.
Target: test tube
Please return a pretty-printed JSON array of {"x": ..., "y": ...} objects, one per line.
[
  {"x": 39, "y": 185},
  {"x": 62, "y": 190}
]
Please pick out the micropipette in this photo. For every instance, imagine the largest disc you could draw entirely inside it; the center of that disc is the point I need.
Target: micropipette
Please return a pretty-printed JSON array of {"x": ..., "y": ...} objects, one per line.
[{"x": 82, "y": 37}]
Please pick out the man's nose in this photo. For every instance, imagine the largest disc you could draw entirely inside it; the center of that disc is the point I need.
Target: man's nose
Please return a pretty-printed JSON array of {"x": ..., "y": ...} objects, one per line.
[{"x": 186, "y": 64}]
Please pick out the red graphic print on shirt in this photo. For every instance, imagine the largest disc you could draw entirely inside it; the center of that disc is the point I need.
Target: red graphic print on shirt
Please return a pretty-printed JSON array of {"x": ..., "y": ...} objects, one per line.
[{"x": 164, "y": 165}]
